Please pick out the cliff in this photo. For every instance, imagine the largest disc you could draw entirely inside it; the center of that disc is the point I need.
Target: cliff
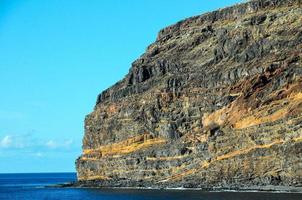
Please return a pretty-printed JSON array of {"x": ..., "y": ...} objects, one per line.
[{"x": 215, "y": 101}]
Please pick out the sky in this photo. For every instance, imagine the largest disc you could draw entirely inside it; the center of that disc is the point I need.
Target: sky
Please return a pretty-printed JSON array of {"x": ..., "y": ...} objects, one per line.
[{"x": 56, "y": 57}]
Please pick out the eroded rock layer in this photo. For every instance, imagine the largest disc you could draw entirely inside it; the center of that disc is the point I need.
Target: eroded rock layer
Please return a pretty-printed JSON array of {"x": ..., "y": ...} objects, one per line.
[{"x": 216, "y": 100}]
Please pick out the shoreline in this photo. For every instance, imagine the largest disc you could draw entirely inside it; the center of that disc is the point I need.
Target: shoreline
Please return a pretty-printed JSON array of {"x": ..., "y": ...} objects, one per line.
[{"x": 251, "y": 189}]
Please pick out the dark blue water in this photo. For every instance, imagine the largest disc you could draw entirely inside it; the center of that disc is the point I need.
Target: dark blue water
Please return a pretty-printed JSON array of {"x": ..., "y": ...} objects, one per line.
[{"x": 32, "y": 187}]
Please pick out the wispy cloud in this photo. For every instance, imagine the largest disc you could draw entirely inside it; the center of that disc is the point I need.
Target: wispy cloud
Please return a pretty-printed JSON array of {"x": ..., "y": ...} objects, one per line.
[
  {"x": 36, "y": 147},
  {"x": 14, "y": 141},
  {"x": 51, "y": 144},
  {"x": 65, "y": 144},
  {"x": 6, "y": 142}
]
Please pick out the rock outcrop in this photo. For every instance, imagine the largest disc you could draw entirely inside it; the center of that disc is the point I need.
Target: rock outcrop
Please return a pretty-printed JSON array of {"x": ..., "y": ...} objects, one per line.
[{"x": 215, "y": 101}]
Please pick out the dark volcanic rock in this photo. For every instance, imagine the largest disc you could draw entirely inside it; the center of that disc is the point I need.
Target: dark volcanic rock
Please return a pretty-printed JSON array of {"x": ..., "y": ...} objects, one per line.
[{"x": 215, "y": 101}]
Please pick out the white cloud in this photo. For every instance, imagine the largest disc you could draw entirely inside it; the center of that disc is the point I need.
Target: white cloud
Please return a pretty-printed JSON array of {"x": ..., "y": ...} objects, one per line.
[
  {"x": 6, "y": 142},
  {"x": 29, "y": 145},
  {"x": 65, "y": 144},
  {"x": 51, "y": 144},
  {"x": 68, "y": 143},
  {"x": 14, "y": 141}
]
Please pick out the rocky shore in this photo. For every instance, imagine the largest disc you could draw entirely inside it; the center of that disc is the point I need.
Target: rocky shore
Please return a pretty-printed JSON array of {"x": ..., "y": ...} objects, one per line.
[{"x": 265, "y": 188}]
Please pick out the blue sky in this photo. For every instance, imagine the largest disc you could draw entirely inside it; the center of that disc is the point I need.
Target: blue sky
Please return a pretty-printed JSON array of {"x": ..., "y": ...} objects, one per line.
[{"x": 56, "y": 56}]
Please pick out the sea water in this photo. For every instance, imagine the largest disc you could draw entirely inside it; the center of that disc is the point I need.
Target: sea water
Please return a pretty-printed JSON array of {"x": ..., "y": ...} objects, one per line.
[{"x": 34, "y": 186}]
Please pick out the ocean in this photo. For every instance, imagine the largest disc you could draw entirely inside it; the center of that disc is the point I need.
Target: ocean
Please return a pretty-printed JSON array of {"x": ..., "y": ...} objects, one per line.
[{"x": 32, "y": 187}]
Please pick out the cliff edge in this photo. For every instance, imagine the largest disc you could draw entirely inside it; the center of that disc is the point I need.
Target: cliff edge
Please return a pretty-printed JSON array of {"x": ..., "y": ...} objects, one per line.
[{"x": 215, "y": 101}]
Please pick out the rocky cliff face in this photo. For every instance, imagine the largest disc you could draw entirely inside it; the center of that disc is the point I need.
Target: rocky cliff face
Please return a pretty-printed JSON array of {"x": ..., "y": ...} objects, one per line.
[{"x": 216, "y": 100}]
